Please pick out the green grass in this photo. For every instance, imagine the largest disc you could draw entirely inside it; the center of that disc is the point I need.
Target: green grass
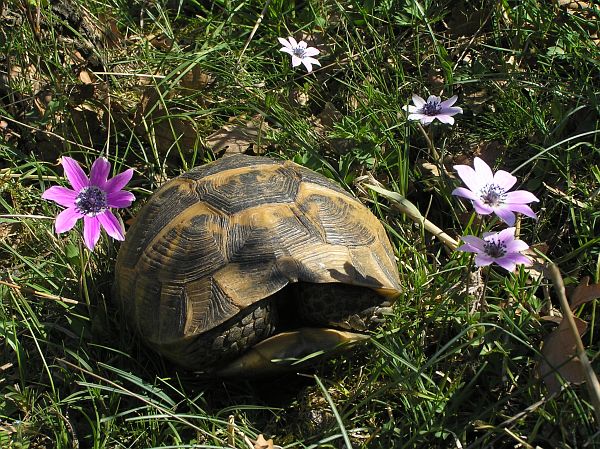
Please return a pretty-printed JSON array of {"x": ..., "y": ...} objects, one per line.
[{"x": 450, "y": 368}]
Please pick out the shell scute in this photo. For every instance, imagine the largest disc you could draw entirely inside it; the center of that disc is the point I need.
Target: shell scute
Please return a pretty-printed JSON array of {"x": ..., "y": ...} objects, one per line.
[
  {"x": 166, "y": 202},
  {"x": 187, "y": 250},
  {"x": 236, "y": 190}
]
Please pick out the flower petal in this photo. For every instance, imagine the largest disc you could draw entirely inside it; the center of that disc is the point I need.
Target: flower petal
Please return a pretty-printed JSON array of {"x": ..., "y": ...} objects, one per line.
[
  {"x": 307, "y": 65},
  {"x": 449, "y": 102},
  {"x": 467, "y": 248},
  {"x": 507, "y": 262},
  {"x": 293, "y": 42},
  {"x": 427, "y": 119},
  {"x": 418, "y": 101},
  {"x": 111, "y": 225},
  {"x": 483, "y": 260},
  {"x": 505, "y": 215},
  {"x": 91, "y": 231},
  {"x": 433, "y": 99},
  {"x": 520, "y": 197},
  {"x": 416, "y": 116},
  {"x": 61, "y": 195},
  {"x": 284, "y": 42},
  {"x": 483, "y": 170},
  {"x": 287, "y": 50},
  {"x": 481, "y": 208},
  {"x": 99, "y": 172},
  {"x": 119, "y": 199},
  {"x": 469, "y": 177},
  {"x": 296, "y": 61},
  {"x": 311, "y": 51},
  {"x": 308, "y": 61},
  {"x": 504, "y": 180},
  {"x": 74, "y": 173},
  {"x": 522, "y": 208},
  {"x": 66, "y": 220},
  {"x": 451, "y": 111},
  {"x": 516, "y": 246},
  {"x": 445, "y": 119},
  {"x": 465, "y": 193},
  {"x": 118, "y": 182},
  {"x": 474, "y": 242},
  {"x": 506, "y": 235},
  {"x": 522, "y": 260}
]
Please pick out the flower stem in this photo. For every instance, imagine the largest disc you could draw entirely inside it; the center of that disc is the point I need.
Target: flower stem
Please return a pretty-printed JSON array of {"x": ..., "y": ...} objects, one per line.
[
  {"x": 84, "y": 258},
  {"x": 430, "y": 145}
]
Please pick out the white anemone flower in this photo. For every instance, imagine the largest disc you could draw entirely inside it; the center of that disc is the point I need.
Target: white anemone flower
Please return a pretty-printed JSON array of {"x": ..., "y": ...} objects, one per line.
[
  {"x": 300, "y": 51},
  {"x": 434, "y": 108}
]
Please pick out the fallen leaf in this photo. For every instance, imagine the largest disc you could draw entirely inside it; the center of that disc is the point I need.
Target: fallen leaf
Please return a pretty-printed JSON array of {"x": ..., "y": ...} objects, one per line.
[
  {"x": 160, "y": 41},
  {"x": 560, "y": 356},
  {"x": 85, "y": 78},
  {"x": 584, "y": 293},
  {"x": 170, "y": 127},
  {"x": 261, "y": 443},
  {"x": 330, "y": 116},
  {"x": 556, "y": 319},
  {"x": 537, "y": 269},
  {"x": 466, "y": 20},
  {"x": 239, "y": 137},
  {"x": 196, "y": 79}
]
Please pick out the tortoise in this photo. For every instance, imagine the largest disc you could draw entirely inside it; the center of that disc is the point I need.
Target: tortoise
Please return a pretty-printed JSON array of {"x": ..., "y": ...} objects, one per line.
[{"x": 249, "y": 263}]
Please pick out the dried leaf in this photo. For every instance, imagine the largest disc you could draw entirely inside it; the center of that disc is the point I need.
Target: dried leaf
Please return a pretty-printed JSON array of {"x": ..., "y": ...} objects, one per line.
[
  {"x": 261, "y": 443},
  {"x": 160, "y": 41},
  {"x": 239, "y": 137},
  {"x": 584, "y": 293},
  {"x": 330, "y": 116},
  {"x": 85, "y": 78},
  {"x": 560, "y": 356},
  {"x": 556, "y": 319},
  {"x": 170, "y": 128},
  {"x": 196, "y": 79},
  {"x": 537, "y": 269},
  {"x": 464, "y": 19}
]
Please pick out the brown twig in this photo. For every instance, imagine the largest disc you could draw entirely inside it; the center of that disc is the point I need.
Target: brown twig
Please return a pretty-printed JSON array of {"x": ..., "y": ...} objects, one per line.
[
  {"x": 38, "y": 293},
  {"x": 50, "y": 133},
  {"x": 256, "y": 25},
  {"x": 410, "y": 210}
]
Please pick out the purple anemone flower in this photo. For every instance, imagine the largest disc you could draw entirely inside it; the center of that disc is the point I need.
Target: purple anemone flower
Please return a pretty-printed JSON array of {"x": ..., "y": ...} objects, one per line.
[
  {"x": 91, "y": 199},
  {"x": 489, "y": 192},
  {"x": 300, "y": 51},
  {"x": 496, "y": 247},
  {"x": 433, "y": 108}
]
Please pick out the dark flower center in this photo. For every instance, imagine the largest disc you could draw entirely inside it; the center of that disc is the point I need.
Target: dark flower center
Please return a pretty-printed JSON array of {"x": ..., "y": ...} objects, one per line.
[
  {"x": 91, "y": 201},
  {"x": 492, "y": 195},
  {"x": 300, "y": 52},
  {"x": 432, "y": 107},
  {"x": 495, "y": 249}
]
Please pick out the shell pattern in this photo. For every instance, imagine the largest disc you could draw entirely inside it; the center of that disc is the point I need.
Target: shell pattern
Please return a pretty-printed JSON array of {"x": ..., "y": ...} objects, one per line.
[{"x": 220, "y": 238}]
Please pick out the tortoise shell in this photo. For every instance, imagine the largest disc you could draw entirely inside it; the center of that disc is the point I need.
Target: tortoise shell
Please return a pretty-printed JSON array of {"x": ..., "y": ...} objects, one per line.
[{"x": 211, "y": 246}]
